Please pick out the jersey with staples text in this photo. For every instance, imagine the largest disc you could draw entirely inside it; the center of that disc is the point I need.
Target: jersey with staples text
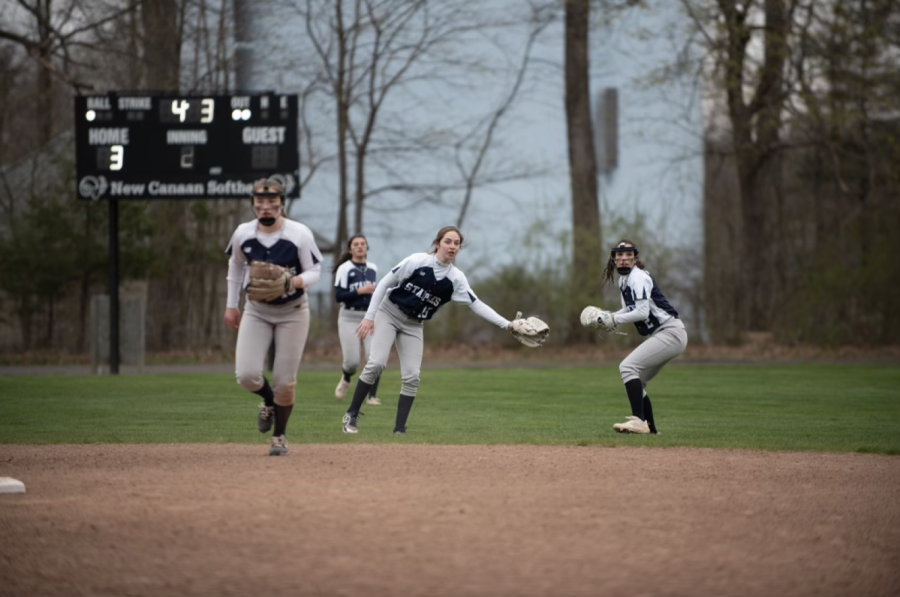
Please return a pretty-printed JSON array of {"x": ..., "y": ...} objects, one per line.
[
  {"x": 425, "y": 284},
  {"x": 350, "y": 277}
]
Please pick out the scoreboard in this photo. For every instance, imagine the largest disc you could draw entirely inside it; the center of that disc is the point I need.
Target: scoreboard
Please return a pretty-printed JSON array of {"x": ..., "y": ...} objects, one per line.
[{"x": 150, "y": 146}]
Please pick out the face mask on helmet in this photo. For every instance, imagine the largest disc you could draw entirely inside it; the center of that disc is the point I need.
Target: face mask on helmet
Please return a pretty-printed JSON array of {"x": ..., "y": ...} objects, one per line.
[
  {"x": 271, "y": 189},
  {"x": 268, "y": 220},
  {"x": 624, "y": 248}
]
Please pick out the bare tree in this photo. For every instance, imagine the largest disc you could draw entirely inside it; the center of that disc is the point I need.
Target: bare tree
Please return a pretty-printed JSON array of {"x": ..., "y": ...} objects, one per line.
[
  {"x": 810, "y": 94},
  {"x": 582, "y": 156},
  {"x": 365, "y": 54},
  {"x": 374, "y": 55},
  {"x": 844, "y": 117},
  {"x": 755, "y": 94},
  {"x": 470, "y": 172},
  {"x": 52, "y": 32}
]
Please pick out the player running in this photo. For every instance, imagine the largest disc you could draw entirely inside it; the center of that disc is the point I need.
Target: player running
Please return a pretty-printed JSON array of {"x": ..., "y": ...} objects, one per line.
[
  {"x": 282, "y": 317},
  {"x": 354, "y": 283}
]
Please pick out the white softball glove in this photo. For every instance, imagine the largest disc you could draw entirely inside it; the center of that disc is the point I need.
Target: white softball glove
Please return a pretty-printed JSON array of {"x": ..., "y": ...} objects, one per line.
[
  {"x": 531, "y": 332},
  {"x": 598, "y": 319}
]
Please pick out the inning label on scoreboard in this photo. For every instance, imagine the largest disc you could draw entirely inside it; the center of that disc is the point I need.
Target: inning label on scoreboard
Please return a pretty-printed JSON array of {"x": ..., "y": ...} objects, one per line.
[{"x": 132, "y": 146}]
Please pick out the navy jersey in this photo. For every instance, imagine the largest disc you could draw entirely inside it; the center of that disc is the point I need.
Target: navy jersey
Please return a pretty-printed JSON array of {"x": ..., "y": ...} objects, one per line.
[
  {"x": 639, "y": 285},
  {"x": 420, "y": 284},
  {"x": 292, "y": 246},
  {"x": 348, "y": 278}
]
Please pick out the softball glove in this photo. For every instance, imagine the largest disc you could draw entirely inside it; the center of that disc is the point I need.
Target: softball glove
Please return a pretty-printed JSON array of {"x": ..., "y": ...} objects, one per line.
[
  {"x": 269, "y": 281},
  {"x": 531, "y": 332},
  {"x": 598, "y": 319}
]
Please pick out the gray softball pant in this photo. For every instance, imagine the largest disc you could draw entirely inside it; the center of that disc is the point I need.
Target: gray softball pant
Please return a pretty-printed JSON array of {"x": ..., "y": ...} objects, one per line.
[
  {"x": 393, "y": 327},
  {"x": 288, "y": 325},
  {"x": 348, "y": 321},
  {"x": 646, "y": 361}
]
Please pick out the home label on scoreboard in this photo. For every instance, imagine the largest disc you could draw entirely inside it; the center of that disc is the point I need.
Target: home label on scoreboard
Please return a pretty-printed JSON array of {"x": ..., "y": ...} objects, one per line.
[{"x": 134, "y": 146}]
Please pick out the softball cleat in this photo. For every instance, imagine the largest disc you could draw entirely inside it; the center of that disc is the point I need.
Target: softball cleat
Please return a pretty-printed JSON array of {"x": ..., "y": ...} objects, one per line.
[
  {"x": 350, "y": 424},
  {"x": 341, "y": 390},
  {"x": 279, "y": 446},
  {"x": 632, "y": 425},
  {"x": 265, "y": 418}
]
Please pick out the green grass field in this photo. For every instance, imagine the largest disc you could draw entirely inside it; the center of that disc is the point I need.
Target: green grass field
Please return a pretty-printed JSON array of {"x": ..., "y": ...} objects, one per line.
[{"x": 773, "y": 407}]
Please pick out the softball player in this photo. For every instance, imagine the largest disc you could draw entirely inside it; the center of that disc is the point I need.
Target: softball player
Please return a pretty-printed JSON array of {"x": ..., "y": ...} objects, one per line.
[
  {"x": 271, "y": 238},
  {"x": 354, "y": 283},
  {"x": 644, "y": 305},
  {"x": 415, "y": 289}
]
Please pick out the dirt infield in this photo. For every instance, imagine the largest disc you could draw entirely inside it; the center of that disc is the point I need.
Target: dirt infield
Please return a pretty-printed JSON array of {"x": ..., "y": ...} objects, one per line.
[{"x": 394, "y": 520}]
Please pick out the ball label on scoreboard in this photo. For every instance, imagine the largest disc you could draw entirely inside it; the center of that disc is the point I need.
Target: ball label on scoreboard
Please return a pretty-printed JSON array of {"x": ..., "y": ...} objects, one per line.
[{"x": 132, "y": 146}]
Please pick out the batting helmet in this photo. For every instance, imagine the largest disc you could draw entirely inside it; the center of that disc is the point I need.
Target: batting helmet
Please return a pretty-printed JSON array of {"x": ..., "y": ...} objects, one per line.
[
  {"x": 268, "y": 187},
  {"x": 622, "y": 246}
]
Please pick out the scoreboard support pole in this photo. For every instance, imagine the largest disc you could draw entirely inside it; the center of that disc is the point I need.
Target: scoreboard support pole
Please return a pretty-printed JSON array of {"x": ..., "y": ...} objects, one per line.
[{"x": 113, "y": 286}]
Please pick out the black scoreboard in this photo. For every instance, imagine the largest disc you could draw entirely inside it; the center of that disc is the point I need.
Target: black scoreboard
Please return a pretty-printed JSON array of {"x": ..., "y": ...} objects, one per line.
[{"x": 149, "y": 146}]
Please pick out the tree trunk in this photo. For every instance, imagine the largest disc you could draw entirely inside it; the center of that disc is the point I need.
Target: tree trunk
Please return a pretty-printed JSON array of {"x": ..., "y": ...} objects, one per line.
[
  {"x": 160, "y": 58},
  {"x": 343, "y": 119},
  {"x": 162, "y": 44},
  {"x": 756, "y": 129},
  {"x": 587, "y": 257},
  {"x": 44, "y": 93}
]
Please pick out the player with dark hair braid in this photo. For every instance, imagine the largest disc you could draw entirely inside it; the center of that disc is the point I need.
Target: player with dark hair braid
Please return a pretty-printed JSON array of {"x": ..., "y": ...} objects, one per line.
[
  {"x": 644, "y": 305},
  {"x": 611, "y": 262},
  {"x": 354, "y": 283}
]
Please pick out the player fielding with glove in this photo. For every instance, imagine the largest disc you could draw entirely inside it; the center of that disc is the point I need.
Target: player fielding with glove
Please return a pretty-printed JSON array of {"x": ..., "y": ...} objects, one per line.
[
  {"x": 644, "y": 305},
  {"x": 408, "y": 296},
  {"x": 274, "y": 260}
]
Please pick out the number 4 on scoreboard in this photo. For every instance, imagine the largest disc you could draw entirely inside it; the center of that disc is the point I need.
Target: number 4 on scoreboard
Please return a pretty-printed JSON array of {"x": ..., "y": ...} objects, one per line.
[{"x": 180, "y": 108}]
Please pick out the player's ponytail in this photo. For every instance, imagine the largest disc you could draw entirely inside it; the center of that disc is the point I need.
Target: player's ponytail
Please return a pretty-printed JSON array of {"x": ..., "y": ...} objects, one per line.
[
  {"x": 608, "y": 272},
  {"x": 348, "y": 254}
]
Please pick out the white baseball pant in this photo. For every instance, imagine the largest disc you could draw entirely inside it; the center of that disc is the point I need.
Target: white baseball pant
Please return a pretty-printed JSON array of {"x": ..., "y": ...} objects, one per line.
[
  {"x": 646, "y": 361},
  {"x": 393, "y": 327},
  {"x": 348, "y": 321},
  {"x": 288, "y": 325}
]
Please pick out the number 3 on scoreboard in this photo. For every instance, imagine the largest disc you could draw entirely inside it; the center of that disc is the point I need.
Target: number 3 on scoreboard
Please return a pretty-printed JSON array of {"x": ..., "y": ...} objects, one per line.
[
  {"x": 116, "y": 157},
  {"x": 206, "y": 109}
]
